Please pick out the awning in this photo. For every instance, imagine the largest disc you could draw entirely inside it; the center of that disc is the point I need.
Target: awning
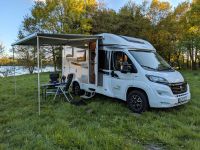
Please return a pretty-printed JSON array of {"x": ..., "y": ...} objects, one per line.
[
  {"x": 46, "y": 39},
  {"x": 56, "y": 39}
]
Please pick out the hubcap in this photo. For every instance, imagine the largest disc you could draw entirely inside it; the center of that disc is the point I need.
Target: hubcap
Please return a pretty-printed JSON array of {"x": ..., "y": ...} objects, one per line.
[{"x": 136, "y": 102}]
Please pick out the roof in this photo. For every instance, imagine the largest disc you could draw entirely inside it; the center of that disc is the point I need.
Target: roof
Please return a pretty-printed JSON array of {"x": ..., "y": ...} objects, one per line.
[
  {"x": 79, "y": 40},
  {"x": 125, "y": 41},
  {"x": 56, "y": 39}
]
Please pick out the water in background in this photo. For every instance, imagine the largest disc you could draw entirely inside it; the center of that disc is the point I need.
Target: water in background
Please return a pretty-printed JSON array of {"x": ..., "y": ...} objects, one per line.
[{"x": 6, "y": 71}]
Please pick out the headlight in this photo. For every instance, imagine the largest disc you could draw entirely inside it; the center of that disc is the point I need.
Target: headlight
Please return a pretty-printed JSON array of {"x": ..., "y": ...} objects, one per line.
[{"x": 157, "y": 79}]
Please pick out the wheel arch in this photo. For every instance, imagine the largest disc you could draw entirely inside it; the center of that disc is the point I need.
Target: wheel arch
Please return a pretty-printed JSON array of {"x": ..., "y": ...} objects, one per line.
[
  {"x": 137, "y": 89},
  {"x": 75, "y": 82}
]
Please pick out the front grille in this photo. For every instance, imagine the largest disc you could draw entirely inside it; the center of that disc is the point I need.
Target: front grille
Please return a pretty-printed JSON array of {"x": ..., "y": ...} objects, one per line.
[{"x": 178, "y": 88}]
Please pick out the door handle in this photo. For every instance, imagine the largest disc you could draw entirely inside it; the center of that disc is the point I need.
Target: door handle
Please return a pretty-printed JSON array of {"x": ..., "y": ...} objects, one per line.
[{"x": 114, "y": 75}]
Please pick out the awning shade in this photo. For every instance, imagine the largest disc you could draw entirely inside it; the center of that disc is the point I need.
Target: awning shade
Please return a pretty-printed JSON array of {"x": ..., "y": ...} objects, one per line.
[{"x": 56, "y": 39}]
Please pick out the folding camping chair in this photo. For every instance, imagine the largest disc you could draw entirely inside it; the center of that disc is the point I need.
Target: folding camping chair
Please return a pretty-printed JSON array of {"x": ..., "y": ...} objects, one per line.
[{"x": 64, "y": 89}]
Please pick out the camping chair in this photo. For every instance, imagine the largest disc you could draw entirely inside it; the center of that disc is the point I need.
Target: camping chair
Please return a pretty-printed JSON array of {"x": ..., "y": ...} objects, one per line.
[
  {"x": 54, "y": 76},
  {"x": 64, "y": 89}
]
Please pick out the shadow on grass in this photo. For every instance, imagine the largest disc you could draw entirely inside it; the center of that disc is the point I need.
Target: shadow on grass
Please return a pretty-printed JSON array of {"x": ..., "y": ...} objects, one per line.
[
  {"x": 101, "y": 99},
  {"x": 172, "y": 109}
]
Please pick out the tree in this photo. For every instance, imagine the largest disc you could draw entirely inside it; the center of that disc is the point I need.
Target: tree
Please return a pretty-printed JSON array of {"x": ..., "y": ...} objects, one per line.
[
  {"x": 59, "y": 16},
  {"x": 158, "y": 10},
  {"x": 160, "y": 35},
  {"x": 104, "y": 20},
  {"x": 178, "y": 19},
  {"x": 1, "y": 48},
  {"x": 175, "y": 33},
  {"x": 133, "y": 21},
  {"x": 130, "y": 21},
  {"x": 191, "y": 36}
]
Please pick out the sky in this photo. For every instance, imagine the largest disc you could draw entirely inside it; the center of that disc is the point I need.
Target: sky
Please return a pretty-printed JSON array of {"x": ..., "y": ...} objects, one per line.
[{"x": 12, "y": 13}]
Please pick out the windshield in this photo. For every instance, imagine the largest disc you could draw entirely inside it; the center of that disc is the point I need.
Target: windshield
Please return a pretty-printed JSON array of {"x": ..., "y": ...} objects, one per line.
[{"x": 150, "y": 60}]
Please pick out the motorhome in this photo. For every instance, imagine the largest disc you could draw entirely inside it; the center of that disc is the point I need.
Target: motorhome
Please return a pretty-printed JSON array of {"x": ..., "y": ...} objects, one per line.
[{"x": 125, "y": 68}]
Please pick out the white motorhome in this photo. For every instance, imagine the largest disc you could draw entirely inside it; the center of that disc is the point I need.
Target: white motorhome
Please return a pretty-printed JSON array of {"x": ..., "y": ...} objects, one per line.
[{"x": 125, "y": 68}]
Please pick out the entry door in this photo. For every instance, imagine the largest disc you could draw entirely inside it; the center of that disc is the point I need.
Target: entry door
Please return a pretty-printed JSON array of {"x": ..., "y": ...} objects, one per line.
[
  {"x": 92, "y": 62},
  {"x": 120, "y": 81}
]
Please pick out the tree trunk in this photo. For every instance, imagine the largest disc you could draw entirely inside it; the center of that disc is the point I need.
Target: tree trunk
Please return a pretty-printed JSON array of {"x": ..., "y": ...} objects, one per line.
[
  {"x": 54, "y": 59},
  {"x": 179, "y": 66},
  {"x": 194, "y": 65},
  {"x": 188, "y": 66},
  {"x": 178, "y": 59},
  {"x": 169, "y": 58},
  {"x": 183, "y": 61},
  {"x": 191, "y": 52},
  {"x": 199, "y": 63},
  {"x": 31, "y": 68}
]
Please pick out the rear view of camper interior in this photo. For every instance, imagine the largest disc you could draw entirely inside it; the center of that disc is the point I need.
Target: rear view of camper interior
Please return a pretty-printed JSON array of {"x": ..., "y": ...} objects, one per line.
[{"x": 81, "y": 60}]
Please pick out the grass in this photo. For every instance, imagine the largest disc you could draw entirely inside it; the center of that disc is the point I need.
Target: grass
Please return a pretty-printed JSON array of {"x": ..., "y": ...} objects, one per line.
[{"x": 103, "y": 123}]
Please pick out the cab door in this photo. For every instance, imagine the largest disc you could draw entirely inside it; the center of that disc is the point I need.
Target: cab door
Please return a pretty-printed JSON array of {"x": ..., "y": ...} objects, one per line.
[{"x": 120, "y": 80}]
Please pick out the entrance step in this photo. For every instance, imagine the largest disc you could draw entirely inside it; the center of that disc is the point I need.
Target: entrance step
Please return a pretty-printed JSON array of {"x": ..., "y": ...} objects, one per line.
[{"x": 88, "y": 94}]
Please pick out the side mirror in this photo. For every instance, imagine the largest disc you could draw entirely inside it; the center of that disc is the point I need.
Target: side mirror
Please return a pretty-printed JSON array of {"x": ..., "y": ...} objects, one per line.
[
  {"x": 112, "y": 73},
  {"x": 125, "y": 67}
]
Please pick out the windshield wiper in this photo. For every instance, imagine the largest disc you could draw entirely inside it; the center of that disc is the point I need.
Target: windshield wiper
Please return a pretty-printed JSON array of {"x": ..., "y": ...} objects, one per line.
[
  {"x": 166, "y": 69},
  {"x": 148, "y": 67}
]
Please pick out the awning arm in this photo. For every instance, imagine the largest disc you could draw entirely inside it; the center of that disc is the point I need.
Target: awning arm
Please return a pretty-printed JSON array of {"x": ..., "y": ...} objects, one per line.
[
  {"x": 15, "y": 85},
  {"x": 38, "y": 72}
]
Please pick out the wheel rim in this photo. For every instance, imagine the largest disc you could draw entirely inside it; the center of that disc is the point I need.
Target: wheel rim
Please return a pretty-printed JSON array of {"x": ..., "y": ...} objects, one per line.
[{"x": 136, "y": 102}]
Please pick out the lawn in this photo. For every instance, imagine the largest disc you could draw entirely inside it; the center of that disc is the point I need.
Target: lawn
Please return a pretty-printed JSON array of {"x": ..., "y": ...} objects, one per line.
[{"x": 103, "y": 123}]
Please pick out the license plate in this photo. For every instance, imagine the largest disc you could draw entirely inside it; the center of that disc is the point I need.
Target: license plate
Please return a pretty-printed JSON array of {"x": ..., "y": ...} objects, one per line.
[{"x": 182, "y": 99}]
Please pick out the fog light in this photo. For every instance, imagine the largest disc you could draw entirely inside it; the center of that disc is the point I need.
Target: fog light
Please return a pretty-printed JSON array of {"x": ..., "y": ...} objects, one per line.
[{"x": 163, "y": 93}]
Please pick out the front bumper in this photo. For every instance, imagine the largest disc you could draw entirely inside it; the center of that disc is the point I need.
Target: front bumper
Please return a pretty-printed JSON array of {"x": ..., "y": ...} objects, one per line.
[{"x": 162, "y": 97}]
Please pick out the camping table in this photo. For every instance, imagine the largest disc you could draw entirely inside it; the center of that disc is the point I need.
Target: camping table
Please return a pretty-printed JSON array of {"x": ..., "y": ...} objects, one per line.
[{"x": 44, "y": 87}]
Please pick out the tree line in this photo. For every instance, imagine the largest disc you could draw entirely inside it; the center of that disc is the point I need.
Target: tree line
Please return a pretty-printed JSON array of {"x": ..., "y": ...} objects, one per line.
[{"x": 175, "y": 32}]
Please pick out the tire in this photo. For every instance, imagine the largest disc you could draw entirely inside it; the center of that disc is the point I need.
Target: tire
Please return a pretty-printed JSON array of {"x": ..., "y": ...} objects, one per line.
[
  {"x": 76, "y": 89},
  {"x": 137, "y": 101}
]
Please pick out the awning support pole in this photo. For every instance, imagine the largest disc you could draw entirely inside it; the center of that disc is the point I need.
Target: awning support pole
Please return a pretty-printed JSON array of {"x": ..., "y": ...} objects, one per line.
[
  {"x": 14, "y": 71},
  {"x": 38, "y": 72},
  {"x": 96, "y": 62}
]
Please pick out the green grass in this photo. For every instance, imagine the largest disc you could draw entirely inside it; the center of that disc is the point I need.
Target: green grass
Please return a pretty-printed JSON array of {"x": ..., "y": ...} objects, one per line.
[{"x": 104, "y": 123}]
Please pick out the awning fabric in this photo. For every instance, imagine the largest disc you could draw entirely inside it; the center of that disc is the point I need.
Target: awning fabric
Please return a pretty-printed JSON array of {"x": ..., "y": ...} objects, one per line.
[{"x": 56, "y": 39}]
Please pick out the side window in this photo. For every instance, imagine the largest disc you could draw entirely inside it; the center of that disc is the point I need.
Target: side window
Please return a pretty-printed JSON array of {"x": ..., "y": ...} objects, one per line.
[
  {"x": 69, "y": 51},
  {"x": 118, "y": 58},
  {"x": 81, "y": 55},
  {"x": 104, "y": 57}
]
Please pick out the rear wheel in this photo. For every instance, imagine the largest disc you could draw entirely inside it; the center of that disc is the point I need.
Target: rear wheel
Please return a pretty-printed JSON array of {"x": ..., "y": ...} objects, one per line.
[
  {"x": 77, "y": 90},
  {"x": 137, "y": 101}
]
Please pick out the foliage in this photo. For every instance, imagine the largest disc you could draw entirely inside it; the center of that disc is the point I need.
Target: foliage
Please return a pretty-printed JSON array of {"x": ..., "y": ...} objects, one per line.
[
  {"x": 28, "y": 58},
  {"x": 175, "y": 33},
  {"x": 6, "y": 61},
  {"x": 191, "y": 36},
  {"x": 103, "y": 123},
  {"x": 59, "y": 16},
  {"x": 158, "y": 11}
]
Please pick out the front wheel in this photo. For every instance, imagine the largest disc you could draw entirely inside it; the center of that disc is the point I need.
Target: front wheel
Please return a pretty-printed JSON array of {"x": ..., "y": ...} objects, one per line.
[{"x": 137, "y": 101}]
